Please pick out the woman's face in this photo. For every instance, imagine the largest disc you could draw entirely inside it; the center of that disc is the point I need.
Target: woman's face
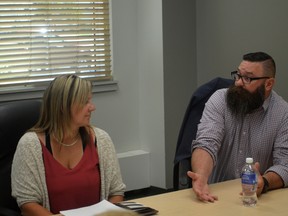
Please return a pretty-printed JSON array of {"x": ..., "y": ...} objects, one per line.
[{"x": 81, "y": 115}]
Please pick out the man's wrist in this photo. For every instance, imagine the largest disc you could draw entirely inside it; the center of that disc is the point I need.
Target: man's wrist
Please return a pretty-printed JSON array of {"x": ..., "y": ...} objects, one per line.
[{"x": 266, "y": 185}]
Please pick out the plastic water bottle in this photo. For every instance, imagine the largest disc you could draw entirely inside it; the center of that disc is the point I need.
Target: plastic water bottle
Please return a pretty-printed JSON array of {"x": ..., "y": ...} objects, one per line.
[{"x": 249, "y": 184}]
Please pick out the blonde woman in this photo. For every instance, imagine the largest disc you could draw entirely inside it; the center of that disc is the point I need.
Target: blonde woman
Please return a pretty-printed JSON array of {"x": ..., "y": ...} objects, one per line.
[{"x": 64, "y": 162}]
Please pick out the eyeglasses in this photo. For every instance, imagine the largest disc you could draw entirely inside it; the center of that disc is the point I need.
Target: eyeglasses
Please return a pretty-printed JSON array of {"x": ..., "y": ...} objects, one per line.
[{"x": 247, "y": 80}]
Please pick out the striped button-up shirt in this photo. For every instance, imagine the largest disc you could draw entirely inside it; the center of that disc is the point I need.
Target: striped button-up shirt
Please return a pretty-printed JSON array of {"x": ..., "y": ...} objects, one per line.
[{"x": 262, "y": 135}]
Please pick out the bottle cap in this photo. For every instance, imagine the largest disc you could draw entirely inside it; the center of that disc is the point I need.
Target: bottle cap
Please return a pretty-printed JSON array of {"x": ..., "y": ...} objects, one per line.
[{"x": 249, "y": 160}]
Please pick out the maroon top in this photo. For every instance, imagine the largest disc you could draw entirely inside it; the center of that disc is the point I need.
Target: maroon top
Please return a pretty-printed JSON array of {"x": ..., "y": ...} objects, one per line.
[{"x": 73, "y": 188}]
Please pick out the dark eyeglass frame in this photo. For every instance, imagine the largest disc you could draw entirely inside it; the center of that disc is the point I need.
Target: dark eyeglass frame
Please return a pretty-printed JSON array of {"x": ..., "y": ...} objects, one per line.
[{"x": 247, "y": 80}]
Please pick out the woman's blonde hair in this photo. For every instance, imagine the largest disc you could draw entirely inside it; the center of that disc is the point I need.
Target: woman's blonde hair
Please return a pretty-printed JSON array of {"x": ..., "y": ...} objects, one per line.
[{"x": 63, "y": 92}]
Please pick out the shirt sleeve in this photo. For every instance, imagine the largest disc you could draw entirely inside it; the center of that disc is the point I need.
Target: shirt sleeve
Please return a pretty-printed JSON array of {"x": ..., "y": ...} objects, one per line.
[
  {"x": 280, "y": 146},
  {"x": 210, "y": 131},
  {"x": 111, "y": 179},
  {"x": 27, "y": 174}
]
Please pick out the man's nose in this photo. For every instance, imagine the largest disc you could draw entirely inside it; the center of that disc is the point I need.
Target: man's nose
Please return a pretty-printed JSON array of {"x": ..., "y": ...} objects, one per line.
[{"x": 239, "y": 82}]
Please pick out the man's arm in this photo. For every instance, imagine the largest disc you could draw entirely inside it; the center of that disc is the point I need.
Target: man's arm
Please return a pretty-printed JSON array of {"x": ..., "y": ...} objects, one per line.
[
  {"x": 273, "y": 181},
  {"x": 202, "y": 165},
  {"x": 201, "y": 162}
]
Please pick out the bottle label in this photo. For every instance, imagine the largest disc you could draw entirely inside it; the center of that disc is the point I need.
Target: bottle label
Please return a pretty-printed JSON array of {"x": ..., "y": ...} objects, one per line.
[{"x": 249, "y": 178}]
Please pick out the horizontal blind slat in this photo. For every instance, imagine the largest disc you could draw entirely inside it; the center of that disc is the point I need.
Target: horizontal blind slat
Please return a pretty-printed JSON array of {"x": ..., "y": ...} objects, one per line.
[{"x": 41, "y": 39}]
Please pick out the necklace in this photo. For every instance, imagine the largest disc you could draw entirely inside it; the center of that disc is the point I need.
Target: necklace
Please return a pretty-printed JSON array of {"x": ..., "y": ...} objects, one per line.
[{"x": 67, "y": 145}]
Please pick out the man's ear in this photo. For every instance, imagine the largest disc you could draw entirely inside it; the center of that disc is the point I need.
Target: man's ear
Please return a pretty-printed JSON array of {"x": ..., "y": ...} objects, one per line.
[{"x": 269, "y": 84}]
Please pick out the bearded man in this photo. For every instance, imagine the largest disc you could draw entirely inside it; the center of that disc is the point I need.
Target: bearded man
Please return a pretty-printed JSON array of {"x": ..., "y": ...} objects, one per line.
[{"x": 248, "y": 119}]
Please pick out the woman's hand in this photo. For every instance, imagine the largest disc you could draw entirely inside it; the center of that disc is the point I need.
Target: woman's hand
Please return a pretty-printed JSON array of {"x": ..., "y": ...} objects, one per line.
[
  {"x": 34, "y": 209},
  {"x": 116, "y": 199}
]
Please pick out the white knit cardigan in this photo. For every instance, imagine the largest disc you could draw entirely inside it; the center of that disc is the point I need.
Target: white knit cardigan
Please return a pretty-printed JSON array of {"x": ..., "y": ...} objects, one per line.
[{"x": 28, "y": 172}]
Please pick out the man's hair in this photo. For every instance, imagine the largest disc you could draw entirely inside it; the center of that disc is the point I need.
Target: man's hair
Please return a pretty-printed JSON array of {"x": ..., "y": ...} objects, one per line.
[{"x": 267, "y": 61}]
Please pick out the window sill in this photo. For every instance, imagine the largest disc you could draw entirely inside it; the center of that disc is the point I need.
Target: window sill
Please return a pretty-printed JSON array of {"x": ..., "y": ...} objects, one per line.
[{"x": 37, "y": 92}]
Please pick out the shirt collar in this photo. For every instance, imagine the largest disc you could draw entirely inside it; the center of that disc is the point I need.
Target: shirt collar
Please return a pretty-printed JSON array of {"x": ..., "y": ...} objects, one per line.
[{"x": 267, "y": 102}]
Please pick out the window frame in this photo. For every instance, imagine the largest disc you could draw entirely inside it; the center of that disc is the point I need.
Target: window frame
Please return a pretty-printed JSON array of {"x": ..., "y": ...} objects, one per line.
[{"x": 36, "y": 91}]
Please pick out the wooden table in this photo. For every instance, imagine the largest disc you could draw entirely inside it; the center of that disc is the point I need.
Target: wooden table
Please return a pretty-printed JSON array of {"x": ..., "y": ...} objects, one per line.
[{"x": 184, "y": 202}]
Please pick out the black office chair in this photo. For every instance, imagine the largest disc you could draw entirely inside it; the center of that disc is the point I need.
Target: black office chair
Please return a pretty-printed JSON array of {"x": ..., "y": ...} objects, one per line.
[
  {"x": 15, "y": 119},
  {"x": 188, "y": 130}
]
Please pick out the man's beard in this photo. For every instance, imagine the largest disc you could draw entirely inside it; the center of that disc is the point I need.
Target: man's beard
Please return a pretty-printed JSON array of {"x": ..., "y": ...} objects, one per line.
[{"x": 242, "y": 102}]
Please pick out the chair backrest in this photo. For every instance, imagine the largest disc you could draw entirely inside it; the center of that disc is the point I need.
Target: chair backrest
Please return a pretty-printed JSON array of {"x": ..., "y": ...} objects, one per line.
[
  {"x": 188, "y": 130},
  {"x": 15, "y": 119}
]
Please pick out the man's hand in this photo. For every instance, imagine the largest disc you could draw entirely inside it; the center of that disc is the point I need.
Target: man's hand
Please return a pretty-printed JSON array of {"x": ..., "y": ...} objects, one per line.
[
  {"x": 200, "y": 187},
  {"x": 260, "y": 182}
]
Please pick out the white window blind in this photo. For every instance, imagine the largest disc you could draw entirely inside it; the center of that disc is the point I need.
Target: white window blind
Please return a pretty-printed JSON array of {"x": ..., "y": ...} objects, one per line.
[{"x": 41, "y": 39}]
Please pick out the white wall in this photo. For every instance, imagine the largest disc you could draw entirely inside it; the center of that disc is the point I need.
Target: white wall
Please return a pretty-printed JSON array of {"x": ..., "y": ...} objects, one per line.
[
  {"x": 180, "y": 75},
  {"x": 118, "y": 112},
  {"x": 227, "y": 29},
  {"x": 151, "y": 103},
  {"x": 134, "y": 115}
]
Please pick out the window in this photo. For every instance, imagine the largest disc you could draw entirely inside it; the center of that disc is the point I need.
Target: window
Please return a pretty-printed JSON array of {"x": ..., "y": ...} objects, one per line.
[{"x": 40, "y": 39}]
